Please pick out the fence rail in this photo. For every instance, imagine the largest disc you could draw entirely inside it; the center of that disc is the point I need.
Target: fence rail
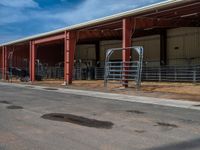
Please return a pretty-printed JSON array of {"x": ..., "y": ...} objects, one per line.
[
  {"x": 172, "y": 74},
  {"x": 167, "y": 73}
]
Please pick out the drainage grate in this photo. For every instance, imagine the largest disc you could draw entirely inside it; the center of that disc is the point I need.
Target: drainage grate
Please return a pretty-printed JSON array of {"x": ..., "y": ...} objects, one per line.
[
  {"x": 135, "y": 112},
  {"x": 78, "y": 120},
  {"x": 163, "y": 124},
  {"x": 14, "y": 107},
  {"x": 5, "y": 102},
  {"x": 50, "y": 89}
]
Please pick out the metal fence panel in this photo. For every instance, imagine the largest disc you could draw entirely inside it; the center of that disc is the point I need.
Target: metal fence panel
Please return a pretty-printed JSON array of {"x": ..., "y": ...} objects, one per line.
[{"x": 121, "y": 71}]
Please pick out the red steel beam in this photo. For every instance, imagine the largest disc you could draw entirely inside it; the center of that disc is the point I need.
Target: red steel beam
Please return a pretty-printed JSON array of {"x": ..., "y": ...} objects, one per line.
[
  {"x": 160, "y": 13},
  {"x": 32, "y": 61},
  {"x": 143, "y": 23},
  {"x": 49, "y": 39},
  {"x": 127, "y": 42},
  {"x": 108, "y": 25},
  {"x": 69, "y": 50}
]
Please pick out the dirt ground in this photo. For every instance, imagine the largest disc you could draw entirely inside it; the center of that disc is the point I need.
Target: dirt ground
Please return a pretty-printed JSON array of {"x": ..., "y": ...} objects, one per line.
[{"x": 179, "y": 91}]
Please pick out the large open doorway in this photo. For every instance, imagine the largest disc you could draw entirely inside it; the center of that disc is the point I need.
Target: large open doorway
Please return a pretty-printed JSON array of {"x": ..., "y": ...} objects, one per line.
[
  {"x": 17, "y": 62},
  {"x": 49, "y": 62}
]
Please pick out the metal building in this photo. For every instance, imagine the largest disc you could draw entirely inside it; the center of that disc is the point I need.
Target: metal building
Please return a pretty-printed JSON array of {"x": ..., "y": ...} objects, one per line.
[{"x": 169, "y": 32}]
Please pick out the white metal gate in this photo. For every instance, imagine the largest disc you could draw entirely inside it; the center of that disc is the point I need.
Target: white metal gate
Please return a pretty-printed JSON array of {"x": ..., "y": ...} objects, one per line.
[{"x": 124, "y": 72}]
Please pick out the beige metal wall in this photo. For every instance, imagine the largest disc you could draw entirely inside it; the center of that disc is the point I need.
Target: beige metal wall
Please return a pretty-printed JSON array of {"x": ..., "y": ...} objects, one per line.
[
  {"x": 105, "y": 45},
  {"x": 85, "y": 52},
  {"x": 183, "y": 48},
  {"x": 151, "y": 46}
]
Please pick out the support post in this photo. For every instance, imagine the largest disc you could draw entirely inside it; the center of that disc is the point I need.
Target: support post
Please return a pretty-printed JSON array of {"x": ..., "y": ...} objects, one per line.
[
  {"x": 97, "y": 47},
  {"x": 3, "y": 61},
  {"x": 69, "y": 50},
  {"x": 163, "y": 48},
  {"x": 32, "y": 61},
  {"x": 127, "y": 42}
]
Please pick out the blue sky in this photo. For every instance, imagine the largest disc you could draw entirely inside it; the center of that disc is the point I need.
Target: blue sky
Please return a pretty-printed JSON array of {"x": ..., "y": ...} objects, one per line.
[{"x": 21, "y": 18}]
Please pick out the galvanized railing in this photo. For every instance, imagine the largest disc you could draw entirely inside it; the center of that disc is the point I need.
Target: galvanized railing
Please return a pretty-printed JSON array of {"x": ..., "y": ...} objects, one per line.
[
  {"x": 164, "y": 73},
  {"x": 124, "y": 72},
  {"x": 1, "y": 73},
  {"x": 161, "y": 74},
  {"x": 172, "y": 73},
  {"x": 52, "y": 73},
  {"x": 99, "y": 73}
]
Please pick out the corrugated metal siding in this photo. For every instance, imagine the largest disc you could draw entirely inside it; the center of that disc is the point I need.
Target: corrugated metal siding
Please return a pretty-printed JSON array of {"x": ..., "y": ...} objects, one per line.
[
  {"x": 105, "y": 45},
  {"x": 183, "y": 46},
  {"x": 85, "y": 52},
  {"x": 151, "y": 46}
]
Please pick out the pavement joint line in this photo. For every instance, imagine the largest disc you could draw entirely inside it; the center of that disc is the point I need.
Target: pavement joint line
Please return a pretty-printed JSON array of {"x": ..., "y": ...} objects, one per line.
[{"x": 120, "y": 97}]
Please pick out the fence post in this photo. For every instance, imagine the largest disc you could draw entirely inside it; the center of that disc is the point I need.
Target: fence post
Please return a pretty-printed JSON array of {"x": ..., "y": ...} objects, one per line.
[
  {"x": 175, "y": 74},
  {"x": 159, "y": 74},
  {"x": 95, "y": 73},
  {"x": 146, "y": 73},
  {"x": 194, "y": 75}
]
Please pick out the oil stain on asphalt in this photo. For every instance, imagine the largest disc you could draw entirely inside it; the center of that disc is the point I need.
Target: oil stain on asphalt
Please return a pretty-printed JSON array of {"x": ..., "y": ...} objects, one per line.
[
  {"x": 5, "y": 102},
  {"x": 14, "y": 107},
  {"x": 140, "y": 131},
  {"x": 168, "y": 125},
  {"x": 50, "y": 89},
  {"x": 78, "y": 120},
  {"x": 135, "y": 111}
]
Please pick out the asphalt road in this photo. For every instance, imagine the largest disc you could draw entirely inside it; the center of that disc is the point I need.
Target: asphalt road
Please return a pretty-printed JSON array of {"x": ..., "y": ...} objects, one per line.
[{"x": 91, "y": 123}]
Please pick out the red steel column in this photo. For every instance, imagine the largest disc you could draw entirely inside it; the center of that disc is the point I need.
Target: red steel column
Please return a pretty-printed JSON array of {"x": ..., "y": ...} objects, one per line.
[
  {"x": 127, "y": 38},
  {"x": 69, "y": 49},
  {"x": 127, "y": 42},
  {"x": 3, "y": 62},
  {"x": 32, "y": 61}
]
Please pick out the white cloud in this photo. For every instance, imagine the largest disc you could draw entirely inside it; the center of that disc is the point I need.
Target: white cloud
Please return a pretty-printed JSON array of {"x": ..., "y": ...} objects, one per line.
[
  {"x": 9, "y": 15},
  {"x": 92, "y": 9},
  {"x": 19, "y": 3}
]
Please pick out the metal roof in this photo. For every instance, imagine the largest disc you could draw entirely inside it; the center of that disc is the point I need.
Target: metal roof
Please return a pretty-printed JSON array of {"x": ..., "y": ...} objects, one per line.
[{"x": 137, "y": 11}]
